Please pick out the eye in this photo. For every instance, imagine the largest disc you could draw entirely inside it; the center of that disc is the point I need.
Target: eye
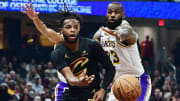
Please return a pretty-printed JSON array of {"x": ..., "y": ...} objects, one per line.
[
  {"x": 109, "y": 11},
  {"x": 118, "y": 12},
  {"x": 67, "y": 26},
  {"x": 76, "y": 26}
]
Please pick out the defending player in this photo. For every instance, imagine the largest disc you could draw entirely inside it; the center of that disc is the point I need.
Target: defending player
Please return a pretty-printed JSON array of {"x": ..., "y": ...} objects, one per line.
[{"x": 118, "y": 39}]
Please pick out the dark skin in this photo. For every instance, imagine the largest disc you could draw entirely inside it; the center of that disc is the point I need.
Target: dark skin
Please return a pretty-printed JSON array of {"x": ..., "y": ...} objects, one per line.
[
  {"x": 70, "y": 30},
  {"x": 116, "y": 12}
]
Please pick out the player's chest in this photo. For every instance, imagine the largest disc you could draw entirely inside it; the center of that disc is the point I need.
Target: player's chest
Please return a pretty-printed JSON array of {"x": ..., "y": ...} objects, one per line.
[
  {"x": 107, "y": 40},
  {"x": 77, "y": 61}
]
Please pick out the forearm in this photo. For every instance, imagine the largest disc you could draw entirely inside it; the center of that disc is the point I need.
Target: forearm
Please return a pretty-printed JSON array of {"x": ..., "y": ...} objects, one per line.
[
  {"x": 40, "y": 26},
  {"x": 47, "y": 32},
  {"x": 125, "y": 34},
  {"x": 108, "y": 77},
  {"x": 67, "y": 73}
]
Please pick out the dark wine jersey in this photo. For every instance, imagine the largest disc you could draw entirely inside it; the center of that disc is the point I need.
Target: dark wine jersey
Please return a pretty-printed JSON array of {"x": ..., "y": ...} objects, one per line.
[{"x": 89, "y": 54}]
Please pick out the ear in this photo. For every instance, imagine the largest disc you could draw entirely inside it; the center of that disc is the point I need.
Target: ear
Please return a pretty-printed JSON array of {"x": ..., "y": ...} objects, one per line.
[{"x": 123, "y": 15}]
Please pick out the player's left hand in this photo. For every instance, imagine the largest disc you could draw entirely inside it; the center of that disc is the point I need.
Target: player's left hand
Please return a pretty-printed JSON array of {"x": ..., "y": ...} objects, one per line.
[{"x": 99, "y": 95}]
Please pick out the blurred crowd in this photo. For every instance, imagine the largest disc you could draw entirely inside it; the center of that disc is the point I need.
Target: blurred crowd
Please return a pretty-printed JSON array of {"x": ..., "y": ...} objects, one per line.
[{"x": 27, "y": 81}]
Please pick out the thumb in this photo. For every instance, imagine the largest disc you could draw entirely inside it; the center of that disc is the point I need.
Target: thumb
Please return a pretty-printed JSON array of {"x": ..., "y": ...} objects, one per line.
[
  {"x": 83, "y": 72},
  {"x": 37, "y": 13},
  {"x": 94, "y": 97}
]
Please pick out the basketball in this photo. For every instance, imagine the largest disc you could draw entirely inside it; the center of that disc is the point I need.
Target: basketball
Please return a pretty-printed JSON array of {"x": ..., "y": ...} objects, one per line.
[{"x": 127, "y": 88}]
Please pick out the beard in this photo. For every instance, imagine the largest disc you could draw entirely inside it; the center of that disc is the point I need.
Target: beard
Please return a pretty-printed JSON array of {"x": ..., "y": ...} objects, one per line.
[
  {"x": 113, "y": 25},
  {"x": 70, "y": 41}
]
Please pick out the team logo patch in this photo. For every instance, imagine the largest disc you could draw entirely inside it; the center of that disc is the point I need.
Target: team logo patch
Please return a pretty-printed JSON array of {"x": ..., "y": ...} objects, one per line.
[
  {"x": 78, "y": 66},
  {"x": 66, "y": 56},
  {"x": 84, "y": 53}
]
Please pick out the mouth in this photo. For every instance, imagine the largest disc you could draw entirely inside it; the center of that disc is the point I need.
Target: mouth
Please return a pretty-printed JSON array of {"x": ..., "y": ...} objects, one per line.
[
  {"x": 72, "y": 38},
  {"x": 112, "y": 21}
]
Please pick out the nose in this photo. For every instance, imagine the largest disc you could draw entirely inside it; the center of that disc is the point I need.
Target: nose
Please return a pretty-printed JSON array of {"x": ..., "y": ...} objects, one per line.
[
  {"x": 72, "y": 29},
  {"x": 113, "y": 15}
]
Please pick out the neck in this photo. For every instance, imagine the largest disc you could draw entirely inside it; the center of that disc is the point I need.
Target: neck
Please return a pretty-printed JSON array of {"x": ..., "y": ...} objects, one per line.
[{"x": 74, "y": 47}]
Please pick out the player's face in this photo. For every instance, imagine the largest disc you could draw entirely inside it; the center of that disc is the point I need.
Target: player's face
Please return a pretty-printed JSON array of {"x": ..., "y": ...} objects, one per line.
[
  {"x": 115, "y": 14},
  {"x": 70, "y": 30}
]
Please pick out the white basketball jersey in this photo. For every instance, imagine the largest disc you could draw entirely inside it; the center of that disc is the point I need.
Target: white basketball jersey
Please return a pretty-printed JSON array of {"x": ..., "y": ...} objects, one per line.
[{"x": 126, "y": 59}]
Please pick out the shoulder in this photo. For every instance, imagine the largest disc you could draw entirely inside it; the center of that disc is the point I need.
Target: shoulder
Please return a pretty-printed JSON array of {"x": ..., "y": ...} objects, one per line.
[
  {"x": 89, "y": 42},
  {"x": 58, "y": 51},
  {"x": 125, "y": 24}
]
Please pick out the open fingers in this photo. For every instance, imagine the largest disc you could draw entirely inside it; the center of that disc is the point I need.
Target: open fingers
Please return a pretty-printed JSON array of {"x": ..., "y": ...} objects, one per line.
[
  {"x": 83, "y": 73},
  {"x": 24, "y": 8},
  {"x": 90, "y": 78},
  {"x": 27, "y": 6},
  {"x": 31, "y": 6}
]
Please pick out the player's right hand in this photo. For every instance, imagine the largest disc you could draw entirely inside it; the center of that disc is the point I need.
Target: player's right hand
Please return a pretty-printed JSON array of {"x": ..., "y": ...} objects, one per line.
[
  {"x": 30, "y": 12},
  {"x": 85, "y": 80}
]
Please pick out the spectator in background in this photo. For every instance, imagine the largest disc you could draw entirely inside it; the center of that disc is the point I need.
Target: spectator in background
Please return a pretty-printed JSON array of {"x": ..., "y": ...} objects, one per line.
[
  {"x": 37, "y": 98},
  {"x": 166, "y": 90},
  {"x": 12, "y": 89},
  {"x": 13, "y": 75},
  {"x": 25, "y": 96},
  {"x": 157, "y": 79},
  {"x": 4, "y": 95},
  {"x": 40, "y": 70},
  {"x": 32, "y": 63},
  {"x": 3, "y": 61},
  {"x": 157, "y": 96},
  {"x": 170, "y": 76},
  {"x": 30, "y": 89},
  {"x": 4, "y": 70},
  {"x": 37, "y": 86},
  {"x": 50, "y": 71},
  {"x": 22, "y": 70},
  {"x": 175, "y": 96},
  {"x": 15, "y": 63},
  {"x": 31, "y": 74},
  {"x": 147, "y": 51}
]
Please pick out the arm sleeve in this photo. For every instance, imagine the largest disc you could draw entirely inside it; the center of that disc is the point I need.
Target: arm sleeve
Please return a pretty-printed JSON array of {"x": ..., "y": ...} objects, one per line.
[
  {"x": 58, "y": 60},
  {"x": 106, "y": 63}
]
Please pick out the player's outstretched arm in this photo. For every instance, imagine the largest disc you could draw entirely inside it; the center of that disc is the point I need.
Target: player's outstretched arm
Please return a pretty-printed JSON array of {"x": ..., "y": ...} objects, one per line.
[
  {"x": 52, "y": 35},
  {"x": 83, "y": 80},
  {"x": 124, "y": 34}
]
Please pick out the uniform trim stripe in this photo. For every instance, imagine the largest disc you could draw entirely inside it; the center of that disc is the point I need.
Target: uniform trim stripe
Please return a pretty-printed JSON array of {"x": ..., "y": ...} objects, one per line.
[{"x": 148, "y": 92}]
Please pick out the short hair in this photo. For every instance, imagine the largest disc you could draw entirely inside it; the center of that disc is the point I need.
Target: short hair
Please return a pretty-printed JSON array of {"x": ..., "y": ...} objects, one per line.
[
  {"x": 69, "y": 15},
  {"x": 119, "y": 4}
]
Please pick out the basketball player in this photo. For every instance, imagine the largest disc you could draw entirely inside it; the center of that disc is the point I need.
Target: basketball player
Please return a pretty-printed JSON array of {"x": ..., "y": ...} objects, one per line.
[
  {"x": 78, "y": 55},
  {"x": 54, "y": 37},
  {"x": 82, "y": 56},
  {"x": 118, "y": 39}
]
